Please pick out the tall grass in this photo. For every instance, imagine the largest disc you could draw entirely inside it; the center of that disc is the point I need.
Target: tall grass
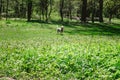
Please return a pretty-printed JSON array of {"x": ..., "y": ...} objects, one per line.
[{"x": 35, "y": 51}]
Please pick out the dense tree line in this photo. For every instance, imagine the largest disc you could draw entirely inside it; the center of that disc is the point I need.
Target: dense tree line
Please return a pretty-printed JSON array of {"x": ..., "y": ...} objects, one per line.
[{"x": 83, "y": 10}]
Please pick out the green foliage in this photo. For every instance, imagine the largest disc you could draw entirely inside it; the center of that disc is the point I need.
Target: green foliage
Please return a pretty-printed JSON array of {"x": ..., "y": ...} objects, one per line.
[
  {"x": 35, "y": 51},
  {"x": 111, "y": 7}
]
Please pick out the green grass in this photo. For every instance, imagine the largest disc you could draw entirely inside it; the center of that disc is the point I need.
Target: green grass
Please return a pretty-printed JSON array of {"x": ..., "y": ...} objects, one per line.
[{"x": 34, "y": 51}]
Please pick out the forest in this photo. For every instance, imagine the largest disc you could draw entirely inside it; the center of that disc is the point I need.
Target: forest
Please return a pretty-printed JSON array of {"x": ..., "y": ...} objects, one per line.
[
  {"x": 59, "y": 39},
  {"x": 83, "y": 10}
]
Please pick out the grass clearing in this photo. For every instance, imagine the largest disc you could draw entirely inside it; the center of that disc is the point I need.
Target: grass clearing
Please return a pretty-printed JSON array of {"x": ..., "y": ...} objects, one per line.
[{"x": 34, "y": 51}]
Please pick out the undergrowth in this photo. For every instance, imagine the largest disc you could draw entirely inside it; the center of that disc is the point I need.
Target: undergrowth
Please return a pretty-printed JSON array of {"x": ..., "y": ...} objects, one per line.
[{"x": 35, "y": 51}]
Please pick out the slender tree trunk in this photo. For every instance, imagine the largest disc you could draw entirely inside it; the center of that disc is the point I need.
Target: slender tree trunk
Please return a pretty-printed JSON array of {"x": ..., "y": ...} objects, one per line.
[
  {"x": 41, "y": 10},
  {"x": 61, "y": 9},
  {"x": 42, "y": 7},
  {"x": 29, "y": 12},
  {"x": 110, "y": 17},
  {"x": 0, "y": 9},
  {"x": 7, "y": 9},
  {"x": 40, "y": 14},
  {"x": 43, "y": 14},
  {"x": 17, "y": 9},
  {"x": 3, "y": 6},
  {"x": 84, "y": 11},
  {"x": 100, "y": 10},
  {"x": 93, "y": 11},
  {"x": 22, "y": 10},
  {"x": 46, "y": 15},
  {"x": 46, "y": 10},
  {"x": 50, "y": 9},
  {"x": 70, "y": 9}
]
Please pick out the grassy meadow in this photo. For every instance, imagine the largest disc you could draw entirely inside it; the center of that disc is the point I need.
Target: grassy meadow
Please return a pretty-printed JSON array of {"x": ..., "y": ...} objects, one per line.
[{"x": 34, "y": 51}]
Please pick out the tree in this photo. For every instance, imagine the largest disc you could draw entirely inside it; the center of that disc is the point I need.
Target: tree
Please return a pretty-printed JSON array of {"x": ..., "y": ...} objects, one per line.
[
  {"x": 50, "y": 9},
  {"x": 7, "y": 9},
  {"x": 100, "y": 10},
  {"x": 112, "y": 7},
  {"x": 84, "y": 11},
  {"x": 22, "y": 9},
  {"x": 29, "y": 11},
  {"x": 61, "y": 9},
  {"x": 16, "y": 8},
  {"x": 93, "y": 10},
  {"x": 46, "y": 3},
  {"x": 70, "y": 8},
  {"x": 41, "y": 5},
  {"x": 45, "y": 9},
  {"x": 0, "y": 9}
]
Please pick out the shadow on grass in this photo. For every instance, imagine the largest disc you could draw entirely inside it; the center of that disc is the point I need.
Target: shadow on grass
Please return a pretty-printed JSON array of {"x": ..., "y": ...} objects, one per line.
[
  {"x": 97, "y": 29},
  {"x": 88, "y": 28}
]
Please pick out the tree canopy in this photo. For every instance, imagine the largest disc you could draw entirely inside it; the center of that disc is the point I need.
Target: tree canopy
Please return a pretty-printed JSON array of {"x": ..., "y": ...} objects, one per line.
[{"x": 45, "y": 10}]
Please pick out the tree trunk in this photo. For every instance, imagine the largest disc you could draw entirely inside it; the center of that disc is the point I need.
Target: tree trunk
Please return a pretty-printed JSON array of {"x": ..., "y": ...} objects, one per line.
[
  {"x": 22, "y": 10},
  {"x": 61, "y": 9},
  {"x": 84, "y": 11},
  {"x": 100, "y": 10},
  {"x": 29, "y": 12},
  {"x": 16, "y": 9},
  {"x": 50, "y": 9},
  {"x": 42, "y": 9},
  {"x": 46, "y": 14},
  {"x": 0, "y": 9},
  {"x": 7, "y": 9},
  {"x": 93, "y": 11},
  {"x": 3, "y": 6},
  {"x": 70, "y": 10},
  {"x": 110, "y": 17},
  {"x": 46, "y": 10}
]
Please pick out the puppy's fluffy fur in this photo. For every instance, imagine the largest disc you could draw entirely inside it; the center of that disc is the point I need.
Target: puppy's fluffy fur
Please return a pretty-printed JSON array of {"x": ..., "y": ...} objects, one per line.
[{"x": 60, "y": 29}]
